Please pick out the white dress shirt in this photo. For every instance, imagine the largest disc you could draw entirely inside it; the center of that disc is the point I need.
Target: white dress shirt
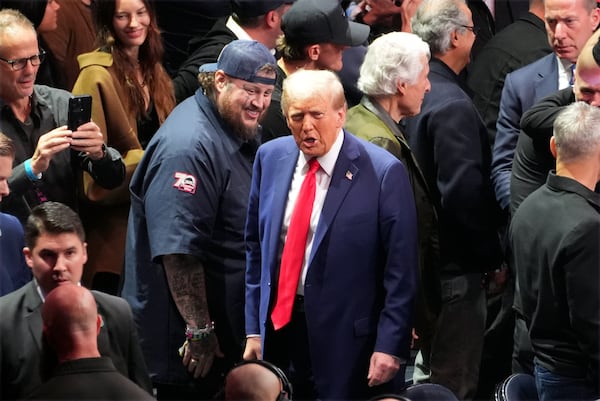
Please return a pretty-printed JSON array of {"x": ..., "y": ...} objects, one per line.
[{"x": 323, "y": 179}]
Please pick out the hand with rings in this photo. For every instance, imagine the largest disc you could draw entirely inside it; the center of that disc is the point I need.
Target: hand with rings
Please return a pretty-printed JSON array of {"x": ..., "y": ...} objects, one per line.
[{"x": 198, "y": 356}]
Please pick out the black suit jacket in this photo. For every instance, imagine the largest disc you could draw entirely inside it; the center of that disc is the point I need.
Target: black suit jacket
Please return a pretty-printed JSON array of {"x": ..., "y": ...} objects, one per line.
[
  {"x": 202, "y": 50},
  {"x": 451, "y": 145},
  {"x": 25, "y": 361},
  {"x": 89, "y": 379},
  {"x": 519, "y": 44}
]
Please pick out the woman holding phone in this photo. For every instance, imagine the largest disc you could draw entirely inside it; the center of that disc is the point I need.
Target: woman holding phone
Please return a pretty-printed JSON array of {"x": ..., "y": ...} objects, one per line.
[{"x": 132, "y": 95}]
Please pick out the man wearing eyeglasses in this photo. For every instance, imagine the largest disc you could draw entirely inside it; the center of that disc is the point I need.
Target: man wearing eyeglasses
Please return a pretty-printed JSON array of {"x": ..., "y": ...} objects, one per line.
[
  {"x": 451, "y": 145},
  {"x": 49, "y": 157}
]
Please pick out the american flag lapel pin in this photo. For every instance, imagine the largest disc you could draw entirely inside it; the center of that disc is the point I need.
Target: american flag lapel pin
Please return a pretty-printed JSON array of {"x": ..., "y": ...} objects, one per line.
[{"x": 349, "y": 175}]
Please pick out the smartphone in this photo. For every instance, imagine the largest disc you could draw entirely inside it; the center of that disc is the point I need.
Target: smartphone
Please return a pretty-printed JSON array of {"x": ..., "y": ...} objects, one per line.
[{"x": 80, "y": 111}]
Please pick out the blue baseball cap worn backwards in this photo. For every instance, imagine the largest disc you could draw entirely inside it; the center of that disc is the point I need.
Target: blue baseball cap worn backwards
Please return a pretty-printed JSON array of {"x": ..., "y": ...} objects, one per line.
[{"x": 243, "y": 59}]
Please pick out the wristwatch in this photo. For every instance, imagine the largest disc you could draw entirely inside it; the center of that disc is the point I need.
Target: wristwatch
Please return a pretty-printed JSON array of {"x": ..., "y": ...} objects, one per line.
[{"x": 196, "y": 334}]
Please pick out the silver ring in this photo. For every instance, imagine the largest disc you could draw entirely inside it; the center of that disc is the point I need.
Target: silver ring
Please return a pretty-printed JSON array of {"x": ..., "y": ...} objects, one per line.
[{"x": 193, "y": 361}]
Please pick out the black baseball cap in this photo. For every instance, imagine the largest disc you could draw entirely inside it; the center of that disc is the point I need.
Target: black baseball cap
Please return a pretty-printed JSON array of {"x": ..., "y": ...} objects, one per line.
[
  {"x": 255, "y": 8},
  {"x": 321, "y": 21}
]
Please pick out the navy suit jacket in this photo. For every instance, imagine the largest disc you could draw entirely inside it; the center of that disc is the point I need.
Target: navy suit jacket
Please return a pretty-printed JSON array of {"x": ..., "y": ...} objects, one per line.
[
  {"x": 26, "y": 361},
  {"x": 522, "y": 89},
  {"x": 14, "y": 273},
  {"x": 360, "y": 283}
]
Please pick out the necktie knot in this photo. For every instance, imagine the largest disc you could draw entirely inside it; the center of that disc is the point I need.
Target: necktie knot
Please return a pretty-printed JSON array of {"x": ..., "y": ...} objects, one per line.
[{"x": 313, "y": 166}]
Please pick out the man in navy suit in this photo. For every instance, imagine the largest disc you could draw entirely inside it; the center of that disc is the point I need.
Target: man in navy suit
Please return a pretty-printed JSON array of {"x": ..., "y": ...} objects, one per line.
[
  {"x": 569, "y": 24},
  {"x": 349, "y": 328}
]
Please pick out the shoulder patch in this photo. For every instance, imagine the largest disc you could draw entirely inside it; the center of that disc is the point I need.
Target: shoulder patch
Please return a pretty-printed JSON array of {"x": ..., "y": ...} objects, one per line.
[{"x": 185, "y": 182}]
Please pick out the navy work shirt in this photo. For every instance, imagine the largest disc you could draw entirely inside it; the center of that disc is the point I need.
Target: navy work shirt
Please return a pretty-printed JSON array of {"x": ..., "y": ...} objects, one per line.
[{"x": 189, "y": 195}]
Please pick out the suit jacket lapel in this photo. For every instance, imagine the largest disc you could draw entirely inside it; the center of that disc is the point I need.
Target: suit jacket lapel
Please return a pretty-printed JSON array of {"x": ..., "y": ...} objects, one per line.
[
  {"x": 345, "y": 172},
  {"x": 33, "y": 316},
  {"x": 286, "y": 164},
  {"x": 103, "y": 338},
  {"x": 547, "y": 78}
]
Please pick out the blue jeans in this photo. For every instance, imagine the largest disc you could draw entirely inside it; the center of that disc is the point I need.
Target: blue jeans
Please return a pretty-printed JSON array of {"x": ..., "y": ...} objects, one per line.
[
  {"x": 553, "y": 387},
  {"x": 458, "y": 341}
]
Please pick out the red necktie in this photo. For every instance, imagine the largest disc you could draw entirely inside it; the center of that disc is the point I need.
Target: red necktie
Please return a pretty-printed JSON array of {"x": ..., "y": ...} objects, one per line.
[{"x": 294, "y": 249}]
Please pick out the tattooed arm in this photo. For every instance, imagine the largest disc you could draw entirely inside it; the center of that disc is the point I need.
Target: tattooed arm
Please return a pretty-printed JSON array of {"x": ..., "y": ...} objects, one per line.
[{"x": 186, "y": 278}]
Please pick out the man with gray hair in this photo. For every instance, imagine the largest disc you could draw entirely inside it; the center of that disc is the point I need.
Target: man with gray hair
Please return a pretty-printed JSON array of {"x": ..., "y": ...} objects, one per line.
[
  {"x": 553, "y": 239},
  {"x": 393, "y": 78},
  {"x": 451, "y": 144}
]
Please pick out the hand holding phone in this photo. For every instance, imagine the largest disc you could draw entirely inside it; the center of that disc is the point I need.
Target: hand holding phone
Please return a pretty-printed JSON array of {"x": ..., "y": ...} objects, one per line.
[{"x": 80, "y": 111}]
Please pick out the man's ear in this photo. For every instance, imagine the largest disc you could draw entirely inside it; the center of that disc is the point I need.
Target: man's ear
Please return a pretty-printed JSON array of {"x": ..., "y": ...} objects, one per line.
[
  {"x": 99, "y": 324},
  {"x": 46, "y": 334},
  {"x": 313, "y": 52},
  {"x": 595, "y": 16},
  {"x": 553, "y": 146},
  {"x": 272, "y": 19},
  {"x": 85, "y": 252},
  {"x": 401, "y": 87},
  {"x": 220, "y": 80},
  {"x": 28, "y": 257},
  {"x": 454, "y": 38}
]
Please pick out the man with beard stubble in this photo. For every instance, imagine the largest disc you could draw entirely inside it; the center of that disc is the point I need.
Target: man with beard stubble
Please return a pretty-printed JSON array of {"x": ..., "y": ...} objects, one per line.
[{"x": 185, "y": 253}]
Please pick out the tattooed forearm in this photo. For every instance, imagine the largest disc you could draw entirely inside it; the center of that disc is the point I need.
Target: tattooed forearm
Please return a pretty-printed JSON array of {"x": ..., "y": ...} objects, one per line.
[{"x": 186, "y": 278}]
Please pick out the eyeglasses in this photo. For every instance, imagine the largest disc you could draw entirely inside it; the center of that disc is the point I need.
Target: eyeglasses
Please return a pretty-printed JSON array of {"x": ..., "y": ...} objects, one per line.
[
  {"x": 472, "y": 28},
  {"x": 21, "y": 63}
]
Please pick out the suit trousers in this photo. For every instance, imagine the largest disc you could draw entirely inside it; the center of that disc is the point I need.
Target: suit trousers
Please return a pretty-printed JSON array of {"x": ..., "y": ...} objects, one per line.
[
  {"x": 458, "y": 341},
  {"x": 288, "y": 349}
]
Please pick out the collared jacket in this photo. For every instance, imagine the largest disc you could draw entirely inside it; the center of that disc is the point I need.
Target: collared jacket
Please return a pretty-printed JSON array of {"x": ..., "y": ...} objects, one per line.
[
  {"x": 369, "y": 121},
  {"x": 450, "y": 142},
  {"x": 554, "y": 238},
  {"x": 202, "y": 50},
  {"x": 61, "y": 182},
  {"x": 105, "y": 214}
]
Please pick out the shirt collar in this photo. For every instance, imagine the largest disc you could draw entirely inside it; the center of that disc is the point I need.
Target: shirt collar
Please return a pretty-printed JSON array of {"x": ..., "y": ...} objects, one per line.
[
  {"x": 237, "y": 29},
  {"x": 239, "y": 32},
  {"x": 41, "y": 292},
  {"x": 570, "y": 185}
]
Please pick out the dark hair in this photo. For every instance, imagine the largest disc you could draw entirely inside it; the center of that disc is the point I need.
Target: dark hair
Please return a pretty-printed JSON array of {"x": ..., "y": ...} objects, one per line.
[
  {"x": 150, "y": 61},
  {"x": 247, "y": 22},
  {"x": 52, "y": 218},
  {"x": 7, "y": 148},
  {"x": 34, "y": 10}
]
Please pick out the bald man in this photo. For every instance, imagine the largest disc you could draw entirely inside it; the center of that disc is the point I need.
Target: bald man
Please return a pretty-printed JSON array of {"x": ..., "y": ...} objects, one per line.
[
  {"x": 71, "y": 325},
  {"x": 253, "y": 381}
]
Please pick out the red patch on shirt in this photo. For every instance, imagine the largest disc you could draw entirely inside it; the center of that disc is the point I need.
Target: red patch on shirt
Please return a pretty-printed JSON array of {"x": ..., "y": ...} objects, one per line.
[{"x": 185, "y": 182}]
